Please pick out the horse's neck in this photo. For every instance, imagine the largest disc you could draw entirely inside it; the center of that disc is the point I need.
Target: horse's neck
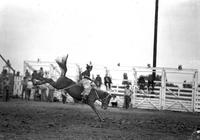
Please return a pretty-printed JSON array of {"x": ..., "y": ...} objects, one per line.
[
  {"x": 101, "y": 94},
  {"x": 71, "y": 82},
  {"x": 67, "y": 81}
]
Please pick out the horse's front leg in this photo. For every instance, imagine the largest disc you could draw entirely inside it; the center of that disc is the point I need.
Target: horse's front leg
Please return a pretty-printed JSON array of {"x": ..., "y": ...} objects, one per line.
[{"x": 96, "y": 111}]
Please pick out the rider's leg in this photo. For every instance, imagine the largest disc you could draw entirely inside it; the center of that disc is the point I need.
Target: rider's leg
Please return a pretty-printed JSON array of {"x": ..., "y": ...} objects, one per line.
[
  {"x": 85, "y": 94},
  {"x": 87, "y": 87}
]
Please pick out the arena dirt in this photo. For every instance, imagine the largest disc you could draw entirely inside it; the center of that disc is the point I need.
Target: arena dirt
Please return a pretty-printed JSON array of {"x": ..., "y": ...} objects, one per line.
[{"x": 30, "y": 120}]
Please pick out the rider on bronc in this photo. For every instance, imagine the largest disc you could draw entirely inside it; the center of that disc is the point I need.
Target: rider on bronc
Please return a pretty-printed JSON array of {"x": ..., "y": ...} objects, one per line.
[{"x": 86, "y": 81}]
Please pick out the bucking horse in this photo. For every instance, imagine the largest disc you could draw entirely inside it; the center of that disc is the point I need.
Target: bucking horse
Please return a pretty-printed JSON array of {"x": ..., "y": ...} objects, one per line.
[{"x": 75, "y": 89}]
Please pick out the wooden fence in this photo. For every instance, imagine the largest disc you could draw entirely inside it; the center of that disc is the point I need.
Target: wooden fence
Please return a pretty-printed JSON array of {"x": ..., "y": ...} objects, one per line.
[{"x": 164, "y": 96}]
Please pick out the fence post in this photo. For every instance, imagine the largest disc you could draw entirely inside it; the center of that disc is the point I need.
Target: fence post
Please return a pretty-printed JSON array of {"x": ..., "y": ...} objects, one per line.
[
  {"x": 163, "y": 90},
  {"x": 133, "y": 100},
  {"x": 194, "y": 90}
]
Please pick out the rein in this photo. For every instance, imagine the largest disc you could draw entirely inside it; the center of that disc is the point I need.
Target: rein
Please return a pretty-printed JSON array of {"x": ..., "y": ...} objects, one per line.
[{"x": 69, "y": 86}]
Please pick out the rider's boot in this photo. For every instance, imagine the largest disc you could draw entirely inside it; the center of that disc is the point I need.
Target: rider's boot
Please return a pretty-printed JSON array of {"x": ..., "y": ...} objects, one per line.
[{"x": 84, "y": 96}]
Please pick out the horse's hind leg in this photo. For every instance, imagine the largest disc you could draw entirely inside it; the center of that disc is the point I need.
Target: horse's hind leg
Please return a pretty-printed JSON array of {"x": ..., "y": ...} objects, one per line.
[{"x": 96, "y": 111}]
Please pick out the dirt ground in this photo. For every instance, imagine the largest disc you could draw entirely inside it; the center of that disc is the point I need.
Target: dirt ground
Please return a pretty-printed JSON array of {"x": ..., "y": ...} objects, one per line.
[{"x": 32, "y": 120}]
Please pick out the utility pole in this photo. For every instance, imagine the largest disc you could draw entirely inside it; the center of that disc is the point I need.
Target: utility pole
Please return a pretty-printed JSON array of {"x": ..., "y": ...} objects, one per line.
[
  {"x": 155, "y": 39},
  {"x": 155, "y": 34}
]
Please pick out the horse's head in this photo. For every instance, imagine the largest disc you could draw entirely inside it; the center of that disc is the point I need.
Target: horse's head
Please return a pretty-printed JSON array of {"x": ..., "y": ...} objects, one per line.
[{"x": 106, "y": 101}]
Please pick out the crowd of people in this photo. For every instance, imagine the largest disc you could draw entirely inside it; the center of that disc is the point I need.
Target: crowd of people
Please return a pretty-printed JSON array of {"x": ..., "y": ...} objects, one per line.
[
  {"x": 28, "y": 85},
  {"x": 107, "y": 81},
  {"x": 38, "y": 92}
]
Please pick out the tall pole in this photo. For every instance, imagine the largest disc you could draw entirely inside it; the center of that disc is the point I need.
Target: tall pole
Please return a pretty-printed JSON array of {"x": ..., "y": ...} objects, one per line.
[
  {"x": 155, "y": 34},
  {"x": 155, "y": 40},
  {"x": 155, "y": 37}
]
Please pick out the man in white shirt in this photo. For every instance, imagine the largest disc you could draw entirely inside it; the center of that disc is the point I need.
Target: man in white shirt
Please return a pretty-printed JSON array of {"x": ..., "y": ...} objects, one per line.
[
  {"x": 114, "y": 101},
  {"x": 127, "y": 96},
  {"x": 28, "y": 89}
]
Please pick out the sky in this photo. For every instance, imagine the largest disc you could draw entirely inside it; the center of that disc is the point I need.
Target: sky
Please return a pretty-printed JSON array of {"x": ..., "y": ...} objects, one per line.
[{"x": 105, "y": 32}]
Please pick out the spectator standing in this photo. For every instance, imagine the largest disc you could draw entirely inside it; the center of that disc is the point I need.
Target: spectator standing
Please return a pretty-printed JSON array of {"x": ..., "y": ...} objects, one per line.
[
  {"x": 5, "y": 85},
  {"x": 150, "y": 83},
  {"x": 43, "y": 90},
  {"x": 98, "y": 81},
  {"x": 36, "y": 93},
  {"x": 18, "y": 73},
  {"x": 41, "y": 72},
  {"x": 28, "y": 89},
  {"x": 34, "y": 75},
  {"x": 24, "y": 86},
  {"x": 141, "y": 83},
  {"x": 127, "y": 96},
  {"x": 50, "y": 93},
  {"x": 125, "y": 79},
  {"x": 107, "y": 82},
  {"x": 27, "y": 74}
]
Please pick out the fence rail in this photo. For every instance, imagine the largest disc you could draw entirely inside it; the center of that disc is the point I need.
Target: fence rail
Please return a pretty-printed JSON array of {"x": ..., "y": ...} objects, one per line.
[
  {"x": 175, "y": 99},
  {"x": 164, "y": 96}
]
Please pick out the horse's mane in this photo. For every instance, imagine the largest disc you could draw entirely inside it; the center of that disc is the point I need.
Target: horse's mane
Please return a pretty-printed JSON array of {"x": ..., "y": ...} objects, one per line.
[{"x": 103, "y": 93}]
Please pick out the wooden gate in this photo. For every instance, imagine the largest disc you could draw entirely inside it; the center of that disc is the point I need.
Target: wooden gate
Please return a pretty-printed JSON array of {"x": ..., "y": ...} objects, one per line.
[
  {"x": 144, "y": 97},
  {"x": 166, "y": 94}
]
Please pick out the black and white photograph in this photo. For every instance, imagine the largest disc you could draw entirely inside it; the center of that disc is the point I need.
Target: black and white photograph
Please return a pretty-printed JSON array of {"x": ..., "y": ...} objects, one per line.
[{"x": 99, "y": 70}]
